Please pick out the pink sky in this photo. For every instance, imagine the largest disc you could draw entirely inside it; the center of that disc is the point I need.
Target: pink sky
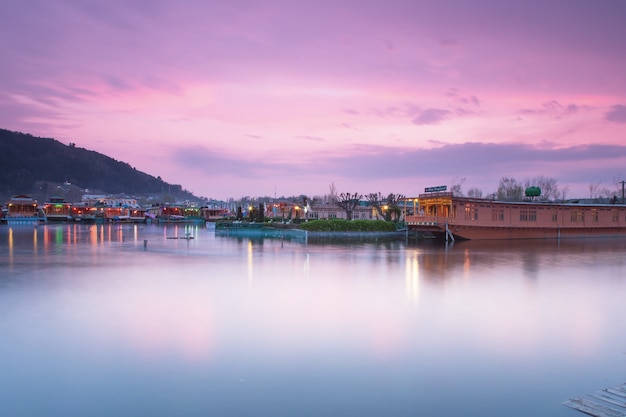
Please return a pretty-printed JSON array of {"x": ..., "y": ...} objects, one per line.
[{"x": 253, "y": 98}]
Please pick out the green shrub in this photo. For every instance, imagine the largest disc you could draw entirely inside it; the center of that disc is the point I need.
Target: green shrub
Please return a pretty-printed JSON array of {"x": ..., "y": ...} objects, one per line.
[{"x": 341, "y": 225}]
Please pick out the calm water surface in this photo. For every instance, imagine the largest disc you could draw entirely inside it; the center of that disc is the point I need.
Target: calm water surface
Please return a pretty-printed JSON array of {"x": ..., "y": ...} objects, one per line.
[{"x": 93, "y": 322}]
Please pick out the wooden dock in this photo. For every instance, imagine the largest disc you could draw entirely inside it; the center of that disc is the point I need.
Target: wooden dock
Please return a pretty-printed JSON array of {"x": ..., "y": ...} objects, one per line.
[{"x": 609, "y": 402}]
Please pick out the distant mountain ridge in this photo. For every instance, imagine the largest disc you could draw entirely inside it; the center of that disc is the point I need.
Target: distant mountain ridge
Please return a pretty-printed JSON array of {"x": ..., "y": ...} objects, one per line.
[{"x": 29, "y": 164}]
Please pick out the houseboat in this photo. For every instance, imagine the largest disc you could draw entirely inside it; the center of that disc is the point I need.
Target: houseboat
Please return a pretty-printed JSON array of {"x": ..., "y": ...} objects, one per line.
[
  {"x": 116, "y": 214},
  {"x": 138, "y": 215},
  {"x": 193, "y": 214},
  {"x": 58, "y": 210},
  {"x": 443, "y": 215},
  {"x": 22, "y": 209},
  {"x": 169, "y": 214},
  {"x": 86, "y": 213},
  {"x": 213, "y": 214},
  {"x": 176, "y": 214}
]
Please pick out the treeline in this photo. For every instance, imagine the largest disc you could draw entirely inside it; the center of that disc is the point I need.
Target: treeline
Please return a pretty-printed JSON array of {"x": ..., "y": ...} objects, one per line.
[{"x": 511, "y": 189}]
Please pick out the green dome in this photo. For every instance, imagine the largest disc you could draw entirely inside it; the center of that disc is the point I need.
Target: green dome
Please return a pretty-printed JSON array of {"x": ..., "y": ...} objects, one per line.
[{"x": 533, "y": 191}]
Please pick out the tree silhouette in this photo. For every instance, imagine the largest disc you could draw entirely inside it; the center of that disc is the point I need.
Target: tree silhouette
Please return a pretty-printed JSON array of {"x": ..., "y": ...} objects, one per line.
[
  {"x": 348, "y": 202},
  {"x": 389, "y": 207},
  {"x": 509, "y": 189},
  {"x": 376, "y": 201},
  {"x": 393, "y": 206}
]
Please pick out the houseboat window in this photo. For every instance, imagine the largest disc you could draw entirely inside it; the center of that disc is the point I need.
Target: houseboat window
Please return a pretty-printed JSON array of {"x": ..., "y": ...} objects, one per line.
[
  {"x": 615, "y": 215},
  {"x": 471, "y": 212},
  {"x": 497, "y": 215},
  {"x": 554, "y": 215},
  {"x": 577, "y": 216},
  {"x": 528, "y": 215},
  {"x": 594, "y": 215}
]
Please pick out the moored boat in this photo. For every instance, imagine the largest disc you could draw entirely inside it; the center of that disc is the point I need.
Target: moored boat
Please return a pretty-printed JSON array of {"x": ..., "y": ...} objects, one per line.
[
  {"x": 193, "y": 214},
  {"x": 57, "y": 210},
  {"x": 22, "y": 209},
  {"x": 170, "y": 214},
  {"x": 176, "y": 214},
  {"x": 449, "y": 217},
  {"x": 138, "y": 215},
  {"x": 213, "y": 214},
  {"x": 116, "y": 214},
  {"x": 85, "y": 213}
]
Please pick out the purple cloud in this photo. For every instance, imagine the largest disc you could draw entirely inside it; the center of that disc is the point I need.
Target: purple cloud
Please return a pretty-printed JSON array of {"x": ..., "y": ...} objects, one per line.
[
  {"x": 431, "y": 117},
  {"x": 617, "y": 114},
  {"x": 554, "y": 109},
  {"x": 486, "y": 162}
]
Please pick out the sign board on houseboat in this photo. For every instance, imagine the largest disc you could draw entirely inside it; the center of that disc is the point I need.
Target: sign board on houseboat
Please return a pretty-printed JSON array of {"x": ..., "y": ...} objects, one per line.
[{"x": 435, "y": 189}]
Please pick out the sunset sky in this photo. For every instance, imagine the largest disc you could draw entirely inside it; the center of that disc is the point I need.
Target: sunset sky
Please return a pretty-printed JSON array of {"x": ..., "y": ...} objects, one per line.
[{"x": 256, "y": 98}]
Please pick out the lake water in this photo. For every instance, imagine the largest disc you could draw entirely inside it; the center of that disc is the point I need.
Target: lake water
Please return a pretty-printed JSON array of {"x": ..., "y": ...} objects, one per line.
[{"x": 95, "y": 321}]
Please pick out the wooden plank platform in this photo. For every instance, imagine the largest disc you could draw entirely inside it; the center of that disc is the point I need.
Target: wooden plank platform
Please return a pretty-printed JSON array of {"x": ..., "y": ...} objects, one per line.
[{"x": 609, "y": 402}]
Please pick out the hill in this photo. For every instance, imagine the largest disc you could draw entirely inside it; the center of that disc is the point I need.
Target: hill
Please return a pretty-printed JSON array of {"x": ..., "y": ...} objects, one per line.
[{"x": 43, "y": 167}]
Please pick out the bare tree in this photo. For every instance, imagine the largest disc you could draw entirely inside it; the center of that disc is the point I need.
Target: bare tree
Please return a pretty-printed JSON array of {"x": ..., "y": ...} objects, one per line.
[
  {"x": 333, "y": 192},
  {"x": 598, "y": 191},
  {"x": 620, "y": 187},
  {"x": 393, "y": 206},
  {"x": 389, "y": 207},
  {"x": 329, "y": 198},
  {"x": 474, "y": 193},
  {"x": 510, "y": 189},
  {"x": 456, "y": 187},
  {"x": 348, "y": 202},
  {"x": 563, "y": 193},
  {"x": 376, "y": 201}
]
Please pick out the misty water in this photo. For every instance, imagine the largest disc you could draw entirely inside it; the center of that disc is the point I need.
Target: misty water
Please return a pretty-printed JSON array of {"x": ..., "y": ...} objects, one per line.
[{"x": 126, "y": 320}]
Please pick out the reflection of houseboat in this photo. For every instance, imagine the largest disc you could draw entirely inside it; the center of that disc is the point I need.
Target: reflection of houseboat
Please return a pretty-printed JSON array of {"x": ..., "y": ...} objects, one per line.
[
  {"x": 22, "y": 209},
  {"x": 451, "y": 217},
  {"x": 58, "y": 210}
]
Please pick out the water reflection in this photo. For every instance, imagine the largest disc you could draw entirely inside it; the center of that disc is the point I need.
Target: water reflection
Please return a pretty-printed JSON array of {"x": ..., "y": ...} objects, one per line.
[
  {"x": 235, "y": 326},
  {"x": 412, "y": 276},
  {"x": 45, "y": 236}
]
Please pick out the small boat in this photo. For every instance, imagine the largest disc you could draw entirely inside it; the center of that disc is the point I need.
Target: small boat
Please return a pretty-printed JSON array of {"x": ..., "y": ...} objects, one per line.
[{"x": 186, "y": 237}]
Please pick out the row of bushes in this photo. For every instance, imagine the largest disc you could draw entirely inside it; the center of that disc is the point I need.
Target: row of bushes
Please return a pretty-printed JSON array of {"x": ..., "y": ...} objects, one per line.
[{"x": 342, "y": 225}]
